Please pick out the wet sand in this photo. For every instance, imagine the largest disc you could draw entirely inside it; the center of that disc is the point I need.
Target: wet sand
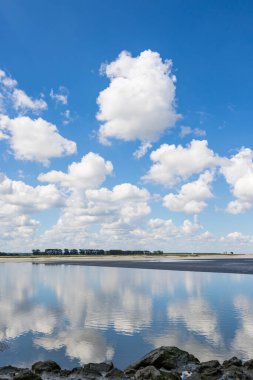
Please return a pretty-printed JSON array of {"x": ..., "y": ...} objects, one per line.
[{"x": 241, "y": 265}]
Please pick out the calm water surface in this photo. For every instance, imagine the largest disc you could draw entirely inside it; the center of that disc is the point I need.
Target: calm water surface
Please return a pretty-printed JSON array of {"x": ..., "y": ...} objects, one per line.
[{"x": 77, "y": 314}]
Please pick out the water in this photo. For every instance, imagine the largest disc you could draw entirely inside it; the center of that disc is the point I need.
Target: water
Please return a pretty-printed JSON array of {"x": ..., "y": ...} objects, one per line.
[{"x": 77, "y": 314}]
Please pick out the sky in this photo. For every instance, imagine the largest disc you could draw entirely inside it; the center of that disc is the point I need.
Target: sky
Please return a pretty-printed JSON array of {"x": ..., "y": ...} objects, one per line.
[{"x": 126, "y": 125}]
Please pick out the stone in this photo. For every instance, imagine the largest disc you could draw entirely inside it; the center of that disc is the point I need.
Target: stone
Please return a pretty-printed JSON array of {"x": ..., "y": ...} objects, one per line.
[
  {"x": 26, "y": 374},
  {"x": 248, "y": 364},
  {"x": 234, "y": 361},
  {"x": 99, "y": 367},
  {"x": 169, "y": 375},
  {"x": 235, "y": 373},
  {"x": 209, "y": 364},
  {"x": 86, "y": 372},
  {"x": 149, "y": 373},
  {"x": 46, "y": 366},
  {"x": 115, "y": 374},
  {"x": 207, "y": 370},
  {"x": 166, "y": 357},
  {"x": 9, "y": 369}
]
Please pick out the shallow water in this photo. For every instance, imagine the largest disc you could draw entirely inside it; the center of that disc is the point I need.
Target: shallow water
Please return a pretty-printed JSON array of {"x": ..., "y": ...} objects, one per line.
[{"x": 75, "y": 314}]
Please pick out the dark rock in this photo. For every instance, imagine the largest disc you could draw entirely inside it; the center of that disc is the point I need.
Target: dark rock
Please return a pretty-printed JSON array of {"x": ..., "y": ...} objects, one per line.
[
  {"x": 248, "y": 364},
  {"x": 115, "y": 374},
  {"x": 99, "y": 367},
  {"x": 26, "y": 374},
  {"x": 64, "y": 372},
  {"x": 130, "y": 371},
  {"x": 234, "y": 361},
  {"x": 235, "y": 374},
  {"x": 209, "y": 364},
  {"x": 169, "y": 375},
  {"x": 207, "y": 370},
  {"x": 89, "y": 373},
  {"x": 9, "y": 370},
  {"x": 166, "y": 357},
  {"x": 149, "y": 373},
  {"x": 46, "y": 366}
]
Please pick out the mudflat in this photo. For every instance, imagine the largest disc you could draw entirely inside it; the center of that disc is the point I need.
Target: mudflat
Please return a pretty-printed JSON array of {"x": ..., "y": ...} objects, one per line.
[{"x": 241, "y": 265}]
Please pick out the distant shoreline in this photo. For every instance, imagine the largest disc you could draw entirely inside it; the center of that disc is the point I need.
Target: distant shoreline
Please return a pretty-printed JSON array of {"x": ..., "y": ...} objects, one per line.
[{"x": 240, "y": 264}]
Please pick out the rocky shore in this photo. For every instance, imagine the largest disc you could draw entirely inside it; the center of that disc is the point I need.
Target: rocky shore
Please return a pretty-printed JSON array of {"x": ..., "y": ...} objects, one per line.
[{"x": 164, "y": 363}]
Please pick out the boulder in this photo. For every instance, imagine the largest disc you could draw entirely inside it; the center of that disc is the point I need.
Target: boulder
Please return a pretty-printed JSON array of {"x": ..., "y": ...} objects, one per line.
[
  {"x": 26, "y": 374},
  {"x": 99, "y": 367},
  {"x": 235, "y": 373},
  {"x": 46, "y": 366},
  {"x": 86, "y": 372},
  {"x": 207, "y": 370},
  {"x": 169, "y": 375},
  {"x": 248, "y": 364},
  {"x": 209, "y": 364},
  {"x": 165, "y": 357},
  {"x": 149, "y": 373},
  {"x": 234, "y": 361},
  {"x": 115, "y": 374},
  {"x": 8, "y": 370}
]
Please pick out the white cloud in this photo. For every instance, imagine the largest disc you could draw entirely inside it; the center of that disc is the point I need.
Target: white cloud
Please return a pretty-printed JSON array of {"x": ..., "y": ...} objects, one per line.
[
  {"x": 238, "y": 172},
  {"x": 186, "y": 130},
  {"x": 192, "y": 196},
  {"x": 67, "y": 118},
  {"x": 22, "y": 101},
  {"x": 16, "y": 98},
  {"x": 35, "y": 140},
  {"x": 6, "y": 80},
  {"x": 89, "y": 173},
  {"x": 28, "y": 198},
  {"x": 114, "y": 213},
  {"x": 61, "y": 96},
  {"x": 237, "y": 237},
  {"x": 17, "y": 202},
  {"x": 172, "y": 163},
  {"x": 3, "y": 136},
  {"x": 189, "y": 227},
  {"x": 139, "y": 103},
  {"x": 142, "y": 150}
]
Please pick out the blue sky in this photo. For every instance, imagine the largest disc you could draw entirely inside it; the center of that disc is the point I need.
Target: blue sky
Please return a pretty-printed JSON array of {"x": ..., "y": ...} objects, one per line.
[{"x": 86, "y": 85}]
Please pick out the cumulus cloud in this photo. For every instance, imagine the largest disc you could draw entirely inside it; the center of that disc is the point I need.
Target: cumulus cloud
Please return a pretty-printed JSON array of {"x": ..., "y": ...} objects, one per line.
[
  {"x": 6, "y": 80},
  {"x": 238, "y": 172},
  {"x": 35, "y": 140},
  {"x": 17, "y": 98},
  {"x": 28, "y": 198},
  {"x": 61, "y": 96},
  {"x": 139, "y": 103},
  {"x": 186, "y": 130},
  {"x": 17, "y": 202},
  {"x": 89, "y": 173},
  {"x": 192, "y": 196},
  {"x": 114, "y": 212},
  {"x": 142, "y": 150},
  {"x": 166, "y": 229},
  {"x": 237, "y": 237},
  {"x": 24, "y": 102},
  {"x": 172, "y": 163}
]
